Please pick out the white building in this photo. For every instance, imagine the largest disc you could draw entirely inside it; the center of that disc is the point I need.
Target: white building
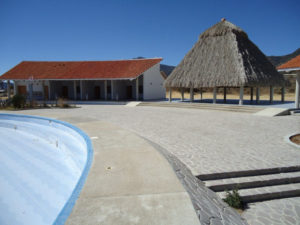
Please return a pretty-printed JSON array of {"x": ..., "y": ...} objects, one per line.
[{"x": 138, "y": 79}]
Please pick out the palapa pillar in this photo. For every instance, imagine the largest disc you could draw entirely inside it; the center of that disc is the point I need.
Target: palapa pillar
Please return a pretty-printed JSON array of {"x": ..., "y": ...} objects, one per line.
[
  {"x": 241, "y": 95},
  {"x": 251, "y": 94},
  {"x": 170, "y": 94},
  {"x": 215, "y": 95},
  {"x": 225, "y": 92},
  {"x": 271, "y": 94},
  {"x": 282, "y": 94},
  {"x": 182, "y": 94},
  {"x": 137, "y": 88},
  {"x": 201, "y": 94},
  {"x": 257, "y": 95},
  {"x": 191, "y": 94},
  {"x": 297, "y": 90},
  {"x": 74, "y": 87}
]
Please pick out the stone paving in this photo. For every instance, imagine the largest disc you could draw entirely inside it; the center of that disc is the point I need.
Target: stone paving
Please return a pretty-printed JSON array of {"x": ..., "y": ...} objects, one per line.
[
  {"x": 275, "y": 212},
  {"x": 206, "y": 141}
]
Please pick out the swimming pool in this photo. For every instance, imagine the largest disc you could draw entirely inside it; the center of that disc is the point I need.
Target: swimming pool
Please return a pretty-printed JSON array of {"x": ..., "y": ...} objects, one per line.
[{"x": 43, "y": 165}]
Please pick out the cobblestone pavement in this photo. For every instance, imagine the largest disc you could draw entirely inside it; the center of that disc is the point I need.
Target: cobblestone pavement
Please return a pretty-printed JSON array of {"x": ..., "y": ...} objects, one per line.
[
  {"x": 208, "y": 141},
  {"x": 275, "y": 212}
]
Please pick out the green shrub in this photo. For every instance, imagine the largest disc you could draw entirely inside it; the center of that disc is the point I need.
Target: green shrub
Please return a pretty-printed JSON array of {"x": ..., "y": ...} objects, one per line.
[
  {"x": 233, "y": 199},
  {"x": 18, "y": 101}
]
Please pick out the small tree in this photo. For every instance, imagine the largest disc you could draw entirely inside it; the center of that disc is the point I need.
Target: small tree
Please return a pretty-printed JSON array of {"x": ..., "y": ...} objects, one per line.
[
  {"x": 18, "y": 101},
  {"x": 233, "y": 199}
]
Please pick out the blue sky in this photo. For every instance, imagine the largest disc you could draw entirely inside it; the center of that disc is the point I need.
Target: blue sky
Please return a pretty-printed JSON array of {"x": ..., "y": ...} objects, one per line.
[{"x": 107, "y": 30}]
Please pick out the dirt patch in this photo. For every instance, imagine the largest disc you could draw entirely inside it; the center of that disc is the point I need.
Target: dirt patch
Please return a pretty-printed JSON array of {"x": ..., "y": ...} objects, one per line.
[{"x": 295, "y": 139}]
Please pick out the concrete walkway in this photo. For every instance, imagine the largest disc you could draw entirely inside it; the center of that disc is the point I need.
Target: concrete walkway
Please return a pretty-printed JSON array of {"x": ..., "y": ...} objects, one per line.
[{"x": 129, "y": 182}]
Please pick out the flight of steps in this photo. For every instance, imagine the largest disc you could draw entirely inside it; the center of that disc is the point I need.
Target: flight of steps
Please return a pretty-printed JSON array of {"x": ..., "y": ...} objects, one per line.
[
  {"x": 207, "y": 106},
  {"x": 257, "y": 185}
]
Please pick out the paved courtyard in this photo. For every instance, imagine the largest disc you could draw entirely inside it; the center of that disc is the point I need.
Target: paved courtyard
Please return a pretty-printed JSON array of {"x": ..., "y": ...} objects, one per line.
[{"x": 206, "y": 141}]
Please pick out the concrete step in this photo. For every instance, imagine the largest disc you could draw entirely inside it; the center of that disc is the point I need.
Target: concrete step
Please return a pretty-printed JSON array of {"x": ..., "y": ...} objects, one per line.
[
  {"x": 267, "y": 193},
  {"x": 245, "y": 173},
  {"x": 232, "y": 108},
  {"x": 253, "y": 181}
]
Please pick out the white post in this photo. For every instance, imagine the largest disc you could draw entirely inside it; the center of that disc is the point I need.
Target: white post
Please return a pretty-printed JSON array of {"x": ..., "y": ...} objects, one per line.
[
  {"x": 137, "y": 88},
  {"x": 297, "y": 91},
  {"x": 8, "y": 89},
  {"x": 112, "y": 90},
  {"x": 241, "y": 95},
  {"x": 282, "y": 94},
  {"x": 15, "y": 87},
  {"x": 182, "y": 94},
  {"x": 105, "y": 89},
  {"x": 191, "y": 94},
  {"x": 170, "y": 94},
  {"x": 257, "y": 95},
  {"x": 81, "y": 90},
  {"x": 74, "y": 87},
  {"x": 271, "y": 94},
  {"x": 215, "y": 95}
]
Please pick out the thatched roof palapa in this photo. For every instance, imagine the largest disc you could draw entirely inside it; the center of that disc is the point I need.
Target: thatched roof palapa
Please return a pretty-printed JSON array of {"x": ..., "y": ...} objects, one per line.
[{"x": 224, "y": 57}]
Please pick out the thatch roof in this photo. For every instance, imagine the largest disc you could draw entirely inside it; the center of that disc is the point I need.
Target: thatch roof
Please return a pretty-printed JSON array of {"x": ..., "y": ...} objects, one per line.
[{"x": 224, "y": 57}]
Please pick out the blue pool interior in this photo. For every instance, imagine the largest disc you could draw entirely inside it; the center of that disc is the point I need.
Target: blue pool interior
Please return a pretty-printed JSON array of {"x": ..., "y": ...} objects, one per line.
[{"x": 43, "y": 164}]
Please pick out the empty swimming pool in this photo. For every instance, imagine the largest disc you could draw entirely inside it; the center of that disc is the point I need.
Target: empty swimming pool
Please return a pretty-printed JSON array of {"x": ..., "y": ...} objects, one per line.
[{"x": 43, "y": 165}]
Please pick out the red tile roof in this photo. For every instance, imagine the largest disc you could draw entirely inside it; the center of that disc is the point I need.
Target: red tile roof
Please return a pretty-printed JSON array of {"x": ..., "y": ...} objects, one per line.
[
  {"x": 293, "y": 63},
  {"x": 118, "y": 69}
]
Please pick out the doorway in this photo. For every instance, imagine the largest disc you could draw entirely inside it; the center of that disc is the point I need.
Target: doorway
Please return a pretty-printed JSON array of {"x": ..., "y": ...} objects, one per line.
[
  {"x": 65, "y": 92},
  {"x": 22, "y": 90},
  {"x": 97, "y": 92},
  {"x": 46, "y": 93},
  {"x": 129, "y": 92}
]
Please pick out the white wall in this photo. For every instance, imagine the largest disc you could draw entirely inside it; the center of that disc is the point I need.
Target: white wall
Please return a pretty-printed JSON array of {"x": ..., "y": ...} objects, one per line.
[{"x": 153, "y": 84}]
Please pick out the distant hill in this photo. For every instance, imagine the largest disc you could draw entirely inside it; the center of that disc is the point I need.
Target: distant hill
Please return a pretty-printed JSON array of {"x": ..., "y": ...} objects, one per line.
[
  {"x": 166, "y": 68},
  {"x": 278, "y": 60}
]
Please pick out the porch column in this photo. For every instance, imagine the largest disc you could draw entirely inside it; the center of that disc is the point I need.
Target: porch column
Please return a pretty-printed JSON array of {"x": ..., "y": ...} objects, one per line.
[
  {"x": 112, "y": 90},
  {"x": 105, "y": 89},
  {"x": 257, "y": 95},
  {"x": 282, "y": 94},
  {"x": 191, "y": 94},
  {"x": 251, "y": 94},
  {"x": 137, "y": 88},
  {"x": 297, "y": 91},
  {"x": 225, "y": 92},
  {"x": 182, "y": 94},
  {"x": 81, "y": 90},
  {"x": 49, "y": 88},
  {"x": 74, "y": 86},
  {"x": 15, "y": 87},
  {"x": 271, "y": 94},
  {"x": 241, "y": 95},
  {"x": 215, "y": 95},
  {"x": 8, "y": 89}
]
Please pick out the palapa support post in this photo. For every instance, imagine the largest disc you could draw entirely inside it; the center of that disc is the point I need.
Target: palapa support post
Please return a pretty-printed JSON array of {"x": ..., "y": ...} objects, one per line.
[
  {"x": 282, "y": 94},
  {"x": 225, "y": 92},
  {"x": 191, "y": 94},
  {"x": 271, "y": 94},
  {"x": 15, "y": 87},
  {"x": 201, "y": 94},
  {"x": 297, "y": 90},
  {"x": 170, "y": 94},
  {"x": 241, "y": 95},
  {"x": 257, "y": 95},
  {"x": 251, "y": 95},
  {"x": 215, "y": 95},
  {"x": 182, "y": 94}
]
